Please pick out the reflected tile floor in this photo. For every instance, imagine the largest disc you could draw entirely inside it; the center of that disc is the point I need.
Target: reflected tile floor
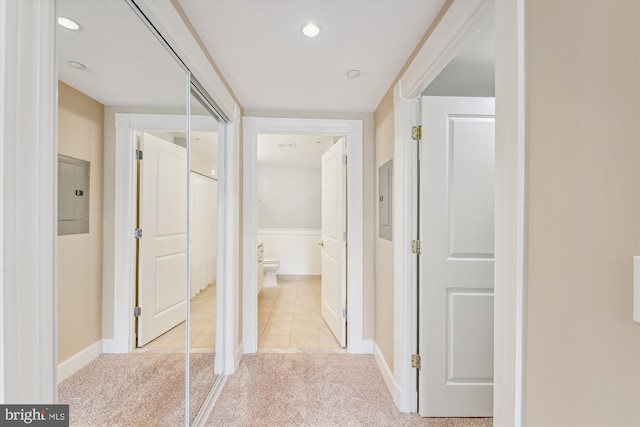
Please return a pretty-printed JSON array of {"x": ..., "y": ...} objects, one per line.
[
  {"x": 203, "y": 327},
  {"x": 289, "y": 318}
]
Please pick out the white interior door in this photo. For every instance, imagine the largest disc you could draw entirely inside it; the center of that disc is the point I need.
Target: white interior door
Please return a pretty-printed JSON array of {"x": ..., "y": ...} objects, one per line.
[
  {"x": 334, "y": 250},
  {"x": 162, "y": 268},
  {"x": 456, "y": 264}
]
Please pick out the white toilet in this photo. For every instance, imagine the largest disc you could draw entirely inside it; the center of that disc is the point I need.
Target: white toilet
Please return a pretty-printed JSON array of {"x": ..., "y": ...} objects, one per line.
[{"x": 271, "y": 265}]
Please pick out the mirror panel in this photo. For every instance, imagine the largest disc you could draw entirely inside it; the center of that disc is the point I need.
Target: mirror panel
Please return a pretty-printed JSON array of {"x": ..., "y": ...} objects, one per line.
[
  {"x": 203, "y": 205},
  {"x": 113, "y": 64}
]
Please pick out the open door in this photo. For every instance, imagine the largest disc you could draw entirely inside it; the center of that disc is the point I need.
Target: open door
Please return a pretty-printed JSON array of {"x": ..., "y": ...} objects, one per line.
[
  {"x": 162, "y": 259},
  {"x": 456, "y": 261},
  {"x": 334, "y": 240}
]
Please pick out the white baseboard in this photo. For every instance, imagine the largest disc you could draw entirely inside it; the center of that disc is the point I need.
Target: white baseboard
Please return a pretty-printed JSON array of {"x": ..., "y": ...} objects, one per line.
[
  {"x": 78, "y": 361},
  {"x": 361, "y": 347},
  {"x": 393, "y": 387},
  {"x": 249, "y": 349},
  {"x": 115, "y": 346},
  {"x": 237, "y": 357}
]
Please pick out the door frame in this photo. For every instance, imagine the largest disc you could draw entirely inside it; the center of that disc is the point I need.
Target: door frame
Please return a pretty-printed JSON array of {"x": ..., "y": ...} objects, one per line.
[
  {"x": 119, "y": 305},
  {"x": 352, "y": 130},
  {"x": 457, "y": 26}
]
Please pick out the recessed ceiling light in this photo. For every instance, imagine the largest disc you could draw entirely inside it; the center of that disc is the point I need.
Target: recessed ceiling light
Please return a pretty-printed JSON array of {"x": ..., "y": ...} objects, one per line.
[
  {"x": 311, "y": 30},
  {"x": 353, "y": 74},
  {"x": 68, "y": 23},
  {"x": 76, "y": 65}
]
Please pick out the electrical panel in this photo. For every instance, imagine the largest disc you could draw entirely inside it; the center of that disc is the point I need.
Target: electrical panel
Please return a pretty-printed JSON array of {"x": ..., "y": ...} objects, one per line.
[
  {"x": 385, "y": 175},
  {"x": 73, "y": 195}
]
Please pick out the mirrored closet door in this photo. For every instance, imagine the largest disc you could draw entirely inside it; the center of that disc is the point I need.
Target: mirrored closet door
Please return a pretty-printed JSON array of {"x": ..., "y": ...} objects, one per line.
[
  {"x": 206, "y": 131},
  {"x": 138, "y": 246}
]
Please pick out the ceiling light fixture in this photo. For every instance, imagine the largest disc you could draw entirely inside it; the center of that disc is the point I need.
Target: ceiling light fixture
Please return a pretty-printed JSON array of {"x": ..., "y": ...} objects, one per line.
[
  {"x": 287, "y": 145},
  {"x": 213, "y": 172},
  {"x": 353, "y": 74},
  {"x": 76, "y": 65},
  {"x": 68, "y": 23},
  {"x": 311, "y": 30}
]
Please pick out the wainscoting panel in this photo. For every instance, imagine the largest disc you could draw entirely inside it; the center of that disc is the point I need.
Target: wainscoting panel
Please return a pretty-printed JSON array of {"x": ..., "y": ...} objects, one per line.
[{"x": 297, "y": 249}]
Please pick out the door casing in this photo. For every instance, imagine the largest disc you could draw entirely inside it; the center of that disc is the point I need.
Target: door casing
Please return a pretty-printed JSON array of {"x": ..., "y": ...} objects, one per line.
[
  {"x": 352, "y": 130},
  {"x": 120, "y": 306},
  {"x": 447, "y": 37}
]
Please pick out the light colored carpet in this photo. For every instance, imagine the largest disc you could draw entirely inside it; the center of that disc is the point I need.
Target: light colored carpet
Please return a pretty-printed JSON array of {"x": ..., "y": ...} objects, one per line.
[
  {"x": 315, "y": 390},
  {"x": 139, "y": 389}
]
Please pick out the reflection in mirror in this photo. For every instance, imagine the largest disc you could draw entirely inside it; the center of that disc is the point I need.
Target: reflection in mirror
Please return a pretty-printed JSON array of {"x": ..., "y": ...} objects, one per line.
[
  {"x": 203, "y": 206},
  {"x": 114, "y": 64}
]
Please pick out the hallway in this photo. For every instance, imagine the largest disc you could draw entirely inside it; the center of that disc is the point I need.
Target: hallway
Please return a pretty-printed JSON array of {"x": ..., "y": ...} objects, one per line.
[{"x": 315, "y": 390}]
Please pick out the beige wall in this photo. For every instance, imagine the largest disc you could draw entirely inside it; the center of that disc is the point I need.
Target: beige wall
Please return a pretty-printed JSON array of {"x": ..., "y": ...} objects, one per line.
[
  {"x": 582, "y": 347},
  {"x": 383, "y": 259},
  {"x": 80, "y": 135},
  {"x": 384, "y": 312}
]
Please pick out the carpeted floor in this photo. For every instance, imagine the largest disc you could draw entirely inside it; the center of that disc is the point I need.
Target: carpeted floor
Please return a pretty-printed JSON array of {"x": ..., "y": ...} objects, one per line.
[
  {"x": 136, "y": 390},
  {"x": 315, "y": 390}
]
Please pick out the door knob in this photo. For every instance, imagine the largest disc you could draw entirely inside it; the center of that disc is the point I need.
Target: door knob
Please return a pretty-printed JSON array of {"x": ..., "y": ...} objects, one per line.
[{"x": 321, "y": 244}]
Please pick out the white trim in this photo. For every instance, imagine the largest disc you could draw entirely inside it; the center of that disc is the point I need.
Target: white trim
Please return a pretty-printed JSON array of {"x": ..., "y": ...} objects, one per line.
[
  {"x": 30, "y": 180},
  {"x": 250, "y": 237},
  {"x": 362, "y": 347},
  {"x": 289, "y": 231},
  {"x": 168, "y": 21},
  {"x": 79, "y": 361},
  {"x": 209, "y": 403},
  {"x": 238, "y": 354},
  {"x": 511, "y": 217},
  {"x": 112, "y": 346},
  {"x": 459, "y": 24},
  {"x": 387, "y": 375},
  {"x": 405, "y": 220},
  {"x": 230, "y": 179},
  {"x": 3, "y": 65},
  {"x": 352, "y": 129}
]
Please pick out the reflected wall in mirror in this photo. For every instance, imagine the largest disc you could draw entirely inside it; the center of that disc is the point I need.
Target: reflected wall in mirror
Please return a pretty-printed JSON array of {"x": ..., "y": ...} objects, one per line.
[{"x": 114, "y": 64}]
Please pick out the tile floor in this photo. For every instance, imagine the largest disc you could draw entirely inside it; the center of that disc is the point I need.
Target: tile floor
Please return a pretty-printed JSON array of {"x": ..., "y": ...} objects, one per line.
[
  {"x": 289, "y": 318},
  {"x": 203, "y": 327}
]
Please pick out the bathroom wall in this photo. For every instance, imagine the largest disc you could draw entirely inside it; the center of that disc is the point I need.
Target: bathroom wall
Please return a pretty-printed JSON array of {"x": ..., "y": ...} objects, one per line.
[
  {"x": 289, "y": 217},
  {"x": 289, "y": 197},
  {"x": 297, "y": 249}
]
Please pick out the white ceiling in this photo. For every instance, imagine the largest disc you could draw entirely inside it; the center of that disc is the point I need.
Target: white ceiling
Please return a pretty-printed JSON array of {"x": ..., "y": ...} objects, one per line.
[
  {"x": 261, "y": 52},
  {"x": 126, "y": 64},
  {"x": 270, "y": 65},
  {"x": 292, "y": 150}
]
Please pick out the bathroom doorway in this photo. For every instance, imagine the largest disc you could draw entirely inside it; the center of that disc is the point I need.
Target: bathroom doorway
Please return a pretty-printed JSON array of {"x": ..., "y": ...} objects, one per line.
[
  {"x": 290, "y": 243},
  {"x": 257, "y": 315},
  {"x": 289, "y": 195}
]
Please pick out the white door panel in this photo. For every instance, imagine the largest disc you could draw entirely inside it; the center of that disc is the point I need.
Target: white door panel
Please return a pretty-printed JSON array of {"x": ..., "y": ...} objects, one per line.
[
  {"x": 163, "y": 247},
  {"x": 456, "y": 264},
  {"x": 334, "y": 285}
]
